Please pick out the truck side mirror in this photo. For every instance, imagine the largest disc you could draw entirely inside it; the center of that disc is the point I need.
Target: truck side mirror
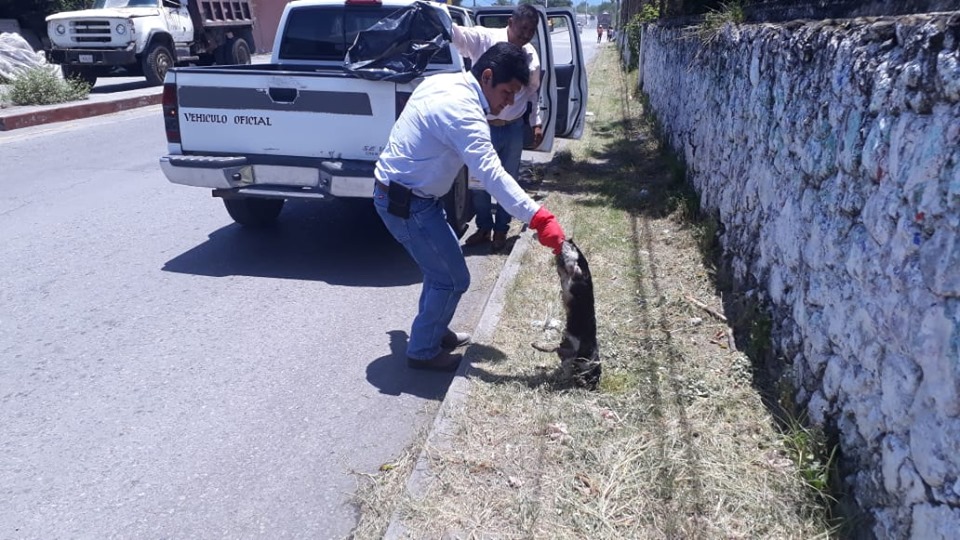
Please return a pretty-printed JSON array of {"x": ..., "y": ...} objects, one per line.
[{"x": 171, "y": 3}]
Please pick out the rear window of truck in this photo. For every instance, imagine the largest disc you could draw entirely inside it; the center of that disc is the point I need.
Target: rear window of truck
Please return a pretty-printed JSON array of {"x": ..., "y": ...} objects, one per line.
[{"x": 326, "y": 32}]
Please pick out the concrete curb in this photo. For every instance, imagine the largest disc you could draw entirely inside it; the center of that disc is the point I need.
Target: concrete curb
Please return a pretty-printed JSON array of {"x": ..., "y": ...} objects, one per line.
[
  {"x": 441, "y": 431},
  {"x": 33, "y": 116}
]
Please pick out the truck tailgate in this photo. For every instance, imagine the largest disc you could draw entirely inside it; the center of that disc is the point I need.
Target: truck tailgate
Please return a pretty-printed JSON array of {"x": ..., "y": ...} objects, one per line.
[{"x": 311, "y": 114}]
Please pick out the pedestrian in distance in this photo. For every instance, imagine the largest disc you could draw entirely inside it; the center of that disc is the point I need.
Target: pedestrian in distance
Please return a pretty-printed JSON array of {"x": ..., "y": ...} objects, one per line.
[
  {"x": 442, "y": 127},
  {"x": 506, "y": 128},
  {"x": 599, "y": 32}
]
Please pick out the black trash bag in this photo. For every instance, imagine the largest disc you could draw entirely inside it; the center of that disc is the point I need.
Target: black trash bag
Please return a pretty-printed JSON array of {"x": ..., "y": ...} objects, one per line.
[{"x": 398, "y": 47}]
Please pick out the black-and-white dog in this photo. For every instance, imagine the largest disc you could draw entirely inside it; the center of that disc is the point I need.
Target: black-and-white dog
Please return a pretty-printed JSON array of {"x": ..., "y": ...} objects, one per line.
[{"x": 578, "y": 350}]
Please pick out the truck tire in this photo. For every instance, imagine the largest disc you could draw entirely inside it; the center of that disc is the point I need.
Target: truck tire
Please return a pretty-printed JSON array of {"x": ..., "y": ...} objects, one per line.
[
  {"x": 155, "y": 63},
  {"x": 235, "y": 52},
  {"x": 253, "y": 212},
  {"x": 458, "y": 204},
  {"x": 86, "y": 75}
]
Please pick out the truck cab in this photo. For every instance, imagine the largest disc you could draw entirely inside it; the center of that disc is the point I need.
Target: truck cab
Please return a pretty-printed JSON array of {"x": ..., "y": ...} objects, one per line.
[{"x": 148, "y": 37}]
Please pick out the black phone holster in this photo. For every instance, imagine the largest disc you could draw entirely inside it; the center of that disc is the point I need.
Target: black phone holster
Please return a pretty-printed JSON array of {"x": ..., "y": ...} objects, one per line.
[{"x": 398, "y": 200}]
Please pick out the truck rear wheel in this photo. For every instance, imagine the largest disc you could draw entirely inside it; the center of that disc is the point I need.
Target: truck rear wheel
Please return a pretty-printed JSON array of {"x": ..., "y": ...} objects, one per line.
[
  {"x": 234, "y": 52},
  {"x": 156, "y": 63},
  {"x": 253, "y": 212},
  {"x": 458, "y": 204},
  {"x": 84, "y": 74}
]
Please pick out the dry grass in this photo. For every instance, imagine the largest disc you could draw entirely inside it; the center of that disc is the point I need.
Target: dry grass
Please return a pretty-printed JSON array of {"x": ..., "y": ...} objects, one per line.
[{"x": 677, "y": 443}]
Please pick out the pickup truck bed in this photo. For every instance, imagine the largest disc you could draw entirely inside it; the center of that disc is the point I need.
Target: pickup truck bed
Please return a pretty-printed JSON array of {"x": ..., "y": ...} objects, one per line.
[
  {"x": 260, "y": 134},
  {"x": 259, "y": 109},
  {"x": 302, "y": 127}
]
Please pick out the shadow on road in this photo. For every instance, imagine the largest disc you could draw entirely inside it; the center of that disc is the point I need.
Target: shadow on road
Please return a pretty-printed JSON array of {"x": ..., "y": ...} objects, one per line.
[
  {"x": 337, "y": 243},
  {"x": 392, "y": 376},
  {"x": 112, "y": 88}
]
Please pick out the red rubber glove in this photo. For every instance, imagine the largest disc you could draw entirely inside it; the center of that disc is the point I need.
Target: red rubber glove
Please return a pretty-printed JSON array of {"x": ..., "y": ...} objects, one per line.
[{"x": 548, "y": 230}]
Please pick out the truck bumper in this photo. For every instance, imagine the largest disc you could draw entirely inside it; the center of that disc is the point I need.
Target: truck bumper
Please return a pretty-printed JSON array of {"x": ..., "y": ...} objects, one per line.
[
  {"x": 91, "y": 57},
  {"x": 242, "y": 176}
]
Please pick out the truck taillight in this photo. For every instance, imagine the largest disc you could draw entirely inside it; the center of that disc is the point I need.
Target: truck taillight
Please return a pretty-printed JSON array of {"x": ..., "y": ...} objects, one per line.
[
  {"x": 402, "y": 98},
  {"x": 171, "y": 113}
]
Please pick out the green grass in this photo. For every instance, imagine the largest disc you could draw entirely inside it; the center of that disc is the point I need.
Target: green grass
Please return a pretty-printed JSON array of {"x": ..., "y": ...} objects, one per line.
[{"x": 678, "y": 442}]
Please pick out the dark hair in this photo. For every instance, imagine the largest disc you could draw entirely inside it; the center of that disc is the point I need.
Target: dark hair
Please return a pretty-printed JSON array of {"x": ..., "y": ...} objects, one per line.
[
  {"x": 507, "y": 61},
  {"x": 526, "y": 12}
]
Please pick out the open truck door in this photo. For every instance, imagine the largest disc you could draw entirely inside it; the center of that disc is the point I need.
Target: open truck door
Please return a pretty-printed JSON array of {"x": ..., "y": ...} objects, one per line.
[{"x": 569, "y": 73}]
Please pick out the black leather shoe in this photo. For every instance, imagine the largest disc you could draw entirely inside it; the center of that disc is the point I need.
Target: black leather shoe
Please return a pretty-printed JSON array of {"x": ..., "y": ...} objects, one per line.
[
  {"x": 499, "y": 241},
  {"x": 454, "y": 340},
  {"x": 482, "y": 236},
  {"x": 441, "y": 362}
]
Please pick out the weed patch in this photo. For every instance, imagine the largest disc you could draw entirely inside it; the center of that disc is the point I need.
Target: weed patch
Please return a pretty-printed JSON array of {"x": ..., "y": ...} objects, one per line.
[{"x": 39, "y": 86}]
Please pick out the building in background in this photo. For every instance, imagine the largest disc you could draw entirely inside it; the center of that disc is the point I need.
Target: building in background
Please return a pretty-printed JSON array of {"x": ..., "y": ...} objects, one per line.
[{"x": 267, "y": 14}]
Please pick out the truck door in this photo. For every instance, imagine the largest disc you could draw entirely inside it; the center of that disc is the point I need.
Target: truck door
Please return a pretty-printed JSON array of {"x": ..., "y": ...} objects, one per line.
[
  {"x": 178, "y": 20},
  {"x": 461, "y": 17},
  {"x": 569, "y": 72},
  {"x": 496, "y": 17}
]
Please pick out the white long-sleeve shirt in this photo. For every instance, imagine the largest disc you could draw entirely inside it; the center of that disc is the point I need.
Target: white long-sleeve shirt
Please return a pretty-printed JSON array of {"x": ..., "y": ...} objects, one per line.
[
  {"x": 442, "y": 127},
  {"x": 473, "y": 41}
]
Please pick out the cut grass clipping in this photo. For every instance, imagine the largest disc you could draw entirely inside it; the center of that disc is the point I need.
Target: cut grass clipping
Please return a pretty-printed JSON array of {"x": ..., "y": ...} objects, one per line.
[
  {"x": 677, "y": 443},
  {"x": 41, "y": 86}
]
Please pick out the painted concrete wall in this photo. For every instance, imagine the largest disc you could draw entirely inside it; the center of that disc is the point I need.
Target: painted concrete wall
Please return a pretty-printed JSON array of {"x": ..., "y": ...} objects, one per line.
[
  {"x": 268, "y": 14},
  {"x": 831, "y": 152}
]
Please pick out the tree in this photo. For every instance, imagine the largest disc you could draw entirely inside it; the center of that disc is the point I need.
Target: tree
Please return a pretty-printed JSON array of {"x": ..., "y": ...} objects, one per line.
[{"x": 31, "y": 13}]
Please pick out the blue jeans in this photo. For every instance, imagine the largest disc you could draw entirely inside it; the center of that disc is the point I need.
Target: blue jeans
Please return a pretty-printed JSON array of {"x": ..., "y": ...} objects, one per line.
[
  {"x": 435, "y": 248},
  {"x": 508, "y": 142}
]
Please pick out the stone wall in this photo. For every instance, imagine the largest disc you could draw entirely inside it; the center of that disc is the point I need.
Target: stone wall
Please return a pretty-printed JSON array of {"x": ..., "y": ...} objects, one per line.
[{"x": 831, "y": 152}]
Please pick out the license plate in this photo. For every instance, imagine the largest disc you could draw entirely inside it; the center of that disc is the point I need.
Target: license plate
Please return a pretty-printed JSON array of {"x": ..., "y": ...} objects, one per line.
[{"x": 86, "y": 58}]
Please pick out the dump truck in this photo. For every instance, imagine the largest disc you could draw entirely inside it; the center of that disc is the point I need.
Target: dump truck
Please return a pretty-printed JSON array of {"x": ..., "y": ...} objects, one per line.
[{"x": 147, "y": 37}]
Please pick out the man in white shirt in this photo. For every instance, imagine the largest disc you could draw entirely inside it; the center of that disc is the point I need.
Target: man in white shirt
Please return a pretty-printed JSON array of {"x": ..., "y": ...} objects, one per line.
[
  {"x": 442, "y": 127},
  {"x": 506, "y": 128}
]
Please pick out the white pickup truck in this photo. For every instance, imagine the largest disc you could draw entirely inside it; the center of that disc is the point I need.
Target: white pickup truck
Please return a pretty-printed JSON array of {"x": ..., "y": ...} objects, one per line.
[{"x": 301, "y": 127}]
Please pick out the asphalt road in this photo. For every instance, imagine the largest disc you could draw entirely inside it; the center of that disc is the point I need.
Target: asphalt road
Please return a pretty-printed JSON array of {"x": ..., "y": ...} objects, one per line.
[{"x": 165, "y": 373}]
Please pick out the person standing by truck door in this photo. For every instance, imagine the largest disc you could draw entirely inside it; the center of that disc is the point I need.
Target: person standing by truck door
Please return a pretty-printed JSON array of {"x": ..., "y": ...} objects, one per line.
[
  {"x": 506, "y": 128},
  {"x": 442, "y": 127}
]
